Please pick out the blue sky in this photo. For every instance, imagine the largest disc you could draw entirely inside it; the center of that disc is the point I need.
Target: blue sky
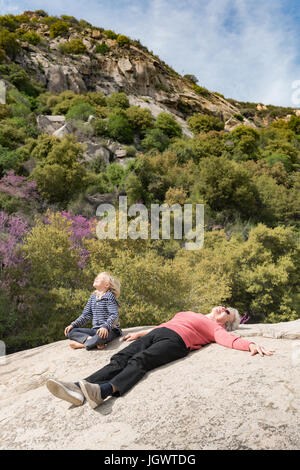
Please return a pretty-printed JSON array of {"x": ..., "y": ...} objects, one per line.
[{"x": 245, "y": 49}]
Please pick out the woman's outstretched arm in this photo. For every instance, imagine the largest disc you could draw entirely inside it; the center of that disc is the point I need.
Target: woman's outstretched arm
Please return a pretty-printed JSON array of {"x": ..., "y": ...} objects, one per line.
[{"x": 138, "y": 334}]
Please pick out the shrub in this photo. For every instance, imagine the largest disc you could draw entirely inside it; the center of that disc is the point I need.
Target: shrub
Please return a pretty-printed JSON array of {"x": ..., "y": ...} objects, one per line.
[
  {"x": 140, "y": 118},
  {"x": 80, "y": 110},
  {"x": 155, "y": 139},
  {"x": 58, "y": 28},
  {"x": 9, "y": 22},
  {"x": 100, "y": 127},
  {"x": 203, "y": 123},
  {"x": 246, "y": 140},
  {"x": 227, "y": 185},
  {"x": 123, "y": 40},
  {"x": 95, "y": 98},
  {"x": 4, "y": 111},
  {"x": 58, "y": 174},
  {"x": 9, "y": 43},
  {"x": 110, "y": 34},
  {"x": 2, "y": 55},
  {"x": 118, "y": 127},
  {"x": 31, "y": 37},
  {"x": 191, "y": 78},
  {"x": 102, "y": 48},
  {"x": 239, "y": 117},
  {"x": 202, "y": 91},
  {"x": 75, "y": 46},
  {"x": 18, "y": 77},
  {"x": 168, "y": 125},
  {"x": 42, "y": 13},
  {"x": 10, "y": 135},
  {"x": 117, "y": 100}
]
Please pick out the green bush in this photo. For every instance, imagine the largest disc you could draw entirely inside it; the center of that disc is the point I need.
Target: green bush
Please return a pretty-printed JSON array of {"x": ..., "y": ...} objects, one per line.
[
  {"x": 167, "y": 124},
  {"x": 9, "y": 159},
  {"x": 246, "y": 143},
  {"x": 8, "y": 203},
  {"x": 116, "y": 175},
  {"x": 20, "y": 79},
  {"x": 9, "y": 43},
  {"x": 75, "y": 46},
  {"x": 31, "y": 37},
  {"x": 226, "y": 185},
  {"x": 11, "y": 136},
  {"x": 100, "y": 127},
  {"x": 102, "y": 48},
  {"x": 4, "y": 111},
  {"x": 64, "y": 101},
  {"x": 239, "y": 117},
  {"x": 140, "y": 118},
  {"x": 2, "y": 55},
  {"x": 118, "y": 128},
  {"x": 80, "y": 110},
  {"x": 191, "y": 78},
  {"x": 58, "y": 28},
  {"x": 203, "y": 123},
  {"x": 155, "y": 139},
  {"x": 123, "y": 40},
  {"x": 110, "y": 34},
  {"x": 202, "y": 91},
  {"x": 117, "y": 100},
  {"x": 58, "y": 173},
  {"x": 9, "y": 22}
]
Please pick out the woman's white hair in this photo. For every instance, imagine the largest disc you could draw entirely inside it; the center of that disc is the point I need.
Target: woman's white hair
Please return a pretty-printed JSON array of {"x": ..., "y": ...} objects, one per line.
[{"x": 230, "y": 326}]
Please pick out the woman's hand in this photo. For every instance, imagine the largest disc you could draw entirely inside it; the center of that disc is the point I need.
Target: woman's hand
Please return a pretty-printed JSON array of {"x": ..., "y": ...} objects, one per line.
[
  {"x": 255, "y": 348},
  {"x": 102, "y": 332},
  {"x": 131, "y": 336},
  {"x": 138, "y": 334},
  {"x": 67, "y": 329}
]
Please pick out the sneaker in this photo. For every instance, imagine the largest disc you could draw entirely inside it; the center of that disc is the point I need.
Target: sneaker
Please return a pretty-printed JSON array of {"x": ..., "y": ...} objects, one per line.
[
  {"x": 91, "y": 392},
  {"x": 66, "y": 391}
]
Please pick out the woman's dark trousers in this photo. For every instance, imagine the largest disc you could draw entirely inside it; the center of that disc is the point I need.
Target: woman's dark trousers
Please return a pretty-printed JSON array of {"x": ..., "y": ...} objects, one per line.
[{"x": 128, "y": 366}]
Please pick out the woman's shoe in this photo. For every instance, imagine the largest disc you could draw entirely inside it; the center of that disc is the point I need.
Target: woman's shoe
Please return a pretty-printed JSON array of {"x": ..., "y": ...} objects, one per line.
[
  {"x": 67, "y": 391},
  {"x": 91, "y": 392}
]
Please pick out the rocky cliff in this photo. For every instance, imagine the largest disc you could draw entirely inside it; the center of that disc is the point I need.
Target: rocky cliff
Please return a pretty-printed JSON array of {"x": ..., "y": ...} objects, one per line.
[
  {"x": 131, "y": 68},
  {"x": 215, "y": 398}
]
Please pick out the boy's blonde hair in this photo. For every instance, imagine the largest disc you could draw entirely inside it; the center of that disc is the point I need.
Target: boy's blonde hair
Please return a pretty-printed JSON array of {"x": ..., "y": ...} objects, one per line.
[{"x": 114, "y": 284}]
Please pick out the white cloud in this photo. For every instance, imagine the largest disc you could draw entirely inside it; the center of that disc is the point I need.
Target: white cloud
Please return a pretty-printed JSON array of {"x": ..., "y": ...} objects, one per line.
[{"x": 244, "y": 49}]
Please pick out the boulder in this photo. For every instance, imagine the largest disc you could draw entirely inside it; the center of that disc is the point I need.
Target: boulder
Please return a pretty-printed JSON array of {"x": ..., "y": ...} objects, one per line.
[
  {"x": 215, "y": 398},
  {"x": 49, "y": 124}
]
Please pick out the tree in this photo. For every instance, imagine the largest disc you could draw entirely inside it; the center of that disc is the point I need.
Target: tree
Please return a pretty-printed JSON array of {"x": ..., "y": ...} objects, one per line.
[
  {"x": 203, "y": 123},
  {"x": 58, "y": 172},
  {"x": 168, "y": 125}
]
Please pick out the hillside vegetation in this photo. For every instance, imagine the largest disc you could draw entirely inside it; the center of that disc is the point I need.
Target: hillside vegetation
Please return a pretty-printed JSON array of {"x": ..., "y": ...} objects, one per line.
[{"x": 247, "y": 178}]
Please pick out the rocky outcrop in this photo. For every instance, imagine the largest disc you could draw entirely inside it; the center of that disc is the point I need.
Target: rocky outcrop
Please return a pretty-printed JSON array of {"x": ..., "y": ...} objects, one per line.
[
  {"x": 130, "y": 69},
  {"x": 215, "y": 398}
]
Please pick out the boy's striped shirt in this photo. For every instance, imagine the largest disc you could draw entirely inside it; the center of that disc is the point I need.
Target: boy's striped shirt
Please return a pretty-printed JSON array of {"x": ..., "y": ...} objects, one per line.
[{"x": 104, "y": 312}]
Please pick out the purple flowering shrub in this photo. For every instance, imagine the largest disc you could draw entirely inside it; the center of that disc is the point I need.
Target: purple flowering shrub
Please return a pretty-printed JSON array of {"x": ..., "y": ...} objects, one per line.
[
  {"x": 13, "y": 266},
  {"x": 19, "y": 186}
]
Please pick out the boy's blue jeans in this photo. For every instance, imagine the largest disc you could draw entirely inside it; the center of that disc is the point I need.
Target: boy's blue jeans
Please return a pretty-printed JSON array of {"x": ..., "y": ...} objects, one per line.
[{"x": 80, "y": 335}]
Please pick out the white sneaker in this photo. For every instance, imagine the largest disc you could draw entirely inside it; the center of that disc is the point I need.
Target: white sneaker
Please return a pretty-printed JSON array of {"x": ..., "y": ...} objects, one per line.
[
  {"x": 91, "y": 392},
  {"x": 66, "y": 391}
]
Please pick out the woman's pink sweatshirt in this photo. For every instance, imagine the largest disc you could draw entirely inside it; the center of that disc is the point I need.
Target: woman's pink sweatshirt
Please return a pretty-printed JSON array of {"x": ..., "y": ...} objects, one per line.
[{"x": 196, "y": 330}]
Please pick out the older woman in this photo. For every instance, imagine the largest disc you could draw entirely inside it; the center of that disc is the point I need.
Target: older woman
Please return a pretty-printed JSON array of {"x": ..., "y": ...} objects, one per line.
[{"x": 165, "y": 343}]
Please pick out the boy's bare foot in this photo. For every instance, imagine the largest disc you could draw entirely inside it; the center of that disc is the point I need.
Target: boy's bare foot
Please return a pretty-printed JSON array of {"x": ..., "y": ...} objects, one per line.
[{"x": 76, "y": 345}]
